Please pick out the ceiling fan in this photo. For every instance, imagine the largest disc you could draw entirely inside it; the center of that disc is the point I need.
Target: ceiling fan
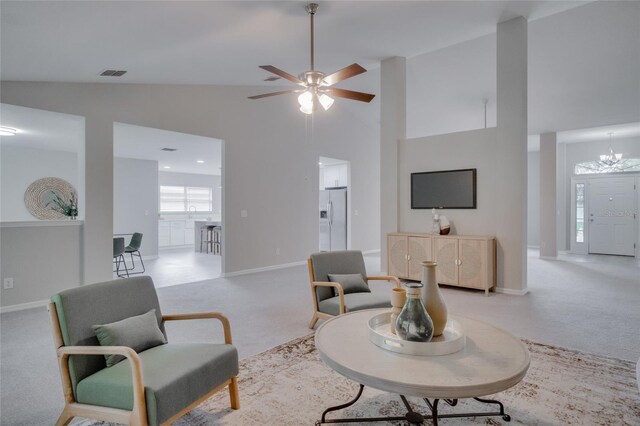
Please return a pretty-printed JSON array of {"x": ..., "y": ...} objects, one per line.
[{"x": 317, "y": 86}]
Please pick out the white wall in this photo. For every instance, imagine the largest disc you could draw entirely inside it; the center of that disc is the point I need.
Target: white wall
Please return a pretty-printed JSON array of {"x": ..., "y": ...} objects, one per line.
[
  {"x": 270, "y": 151},
  {"x": 447, "y": 88},
  {"x": 464, "y": 150},
  {"x": 135, "y": 201},
  {"x": 533, "y": 199},
  {"x": 20, "y": 167},
  {"x": 42, "y": 260},
  {"x": 199, "y": 180}
]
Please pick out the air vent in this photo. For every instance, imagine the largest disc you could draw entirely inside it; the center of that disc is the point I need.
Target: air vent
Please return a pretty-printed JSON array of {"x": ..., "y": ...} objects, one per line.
[
  {"x": 272, "y": 78},
  {"x": 112, "y": 73},
  {"x": 169, "y": 149}
]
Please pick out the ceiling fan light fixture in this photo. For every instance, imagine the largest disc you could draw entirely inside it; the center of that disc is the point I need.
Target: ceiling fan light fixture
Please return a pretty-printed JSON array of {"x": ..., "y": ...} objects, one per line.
[
  {"x": 326, "y": 101},
  {"x": 314, "y": 82},
  {"x": 305, "y": 99}
]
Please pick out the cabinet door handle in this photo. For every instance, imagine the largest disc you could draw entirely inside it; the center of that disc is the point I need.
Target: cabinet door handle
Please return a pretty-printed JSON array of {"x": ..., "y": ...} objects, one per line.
[{"x": 408, "y": 257}]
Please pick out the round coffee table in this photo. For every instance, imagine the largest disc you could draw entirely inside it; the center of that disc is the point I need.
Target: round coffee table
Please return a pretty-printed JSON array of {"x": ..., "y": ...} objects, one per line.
[{"x": 492, "y": 360}]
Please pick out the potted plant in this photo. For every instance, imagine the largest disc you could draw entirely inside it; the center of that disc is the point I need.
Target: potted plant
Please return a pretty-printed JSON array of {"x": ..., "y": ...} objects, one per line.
[{"x": 68, "y": 207}]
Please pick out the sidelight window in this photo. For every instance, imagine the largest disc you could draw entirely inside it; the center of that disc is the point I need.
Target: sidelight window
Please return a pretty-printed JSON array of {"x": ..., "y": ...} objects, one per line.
[{"x": 580, "y": 212}]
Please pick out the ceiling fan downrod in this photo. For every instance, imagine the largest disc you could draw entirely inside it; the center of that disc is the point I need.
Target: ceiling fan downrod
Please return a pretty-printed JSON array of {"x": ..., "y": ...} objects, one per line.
[{"x": 311, "y": 8}]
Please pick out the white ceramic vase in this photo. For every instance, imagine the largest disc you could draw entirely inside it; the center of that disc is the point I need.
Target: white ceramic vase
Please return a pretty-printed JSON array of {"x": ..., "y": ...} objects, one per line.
[{"x": 432, "y": 298}]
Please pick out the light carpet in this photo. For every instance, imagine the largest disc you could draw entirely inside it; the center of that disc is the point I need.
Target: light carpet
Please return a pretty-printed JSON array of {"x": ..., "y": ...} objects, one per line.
[{"x": 290, "y": 385}]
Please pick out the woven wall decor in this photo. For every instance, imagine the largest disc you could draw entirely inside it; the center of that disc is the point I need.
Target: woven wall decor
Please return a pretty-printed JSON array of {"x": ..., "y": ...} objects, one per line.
[{"x": 39, "y": 193}]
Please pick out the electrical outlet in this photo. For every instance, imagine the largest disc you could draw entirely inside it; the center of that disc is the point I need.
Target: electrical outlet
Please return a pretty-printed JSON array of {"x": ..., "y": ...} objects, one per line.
[
  {"x": 277, "y": 252},
  {"x": 243, "y": 213},
  {"x": 8, "y": 283},
  {"x": 355, "y": 212}
]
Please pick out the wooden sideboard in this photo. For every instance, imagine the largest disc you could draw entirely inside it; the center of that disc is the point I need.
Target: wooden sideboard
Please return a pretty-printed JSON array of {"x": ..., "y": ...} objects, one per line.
[{"x": 463, "y": 260}]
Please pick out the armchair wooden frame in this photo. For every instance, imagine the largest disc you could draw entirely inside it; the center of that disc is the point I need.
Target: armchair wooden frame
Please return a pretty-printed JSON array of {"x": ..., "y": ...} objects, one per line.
[
  {"x": 138, "y": 415},
  {"x": 314, "y": 284}
]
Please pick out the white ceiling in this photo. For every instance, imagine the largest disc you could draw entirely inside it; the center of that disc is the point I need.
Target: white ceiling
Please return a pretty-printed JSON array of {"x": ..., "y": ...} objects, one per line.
[
  {"x": 40, "y": 129},
  {"x": 145, "y": 143},
  {"x": 223, "y": 42},
  {"x": 584, "y": 57},
  {"x": 620, "y": 131}
]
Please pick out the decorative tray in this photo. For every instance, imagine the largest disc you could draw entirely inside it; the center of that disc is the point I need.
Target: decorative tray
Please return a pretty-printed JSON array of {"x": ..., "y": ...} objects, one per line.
[{"x": 452, "y": 339}]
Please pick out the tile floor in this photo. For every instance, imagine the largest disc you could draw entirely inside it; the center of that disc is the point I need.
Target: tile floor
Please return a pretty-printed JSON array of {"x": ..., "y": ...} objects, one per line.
[{"x": 183, "y": 265}]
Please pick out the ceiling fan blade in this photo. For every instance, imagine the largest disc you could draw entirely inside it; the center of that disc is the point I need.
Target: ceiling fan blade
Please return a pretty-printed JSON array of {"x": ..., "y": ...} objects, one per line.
[
  {"x": 343, "y": 74},
  {"x": 266, "y": 95},
  {"x": 350, "y": 94},
  {"x": 278, "y": 71}
]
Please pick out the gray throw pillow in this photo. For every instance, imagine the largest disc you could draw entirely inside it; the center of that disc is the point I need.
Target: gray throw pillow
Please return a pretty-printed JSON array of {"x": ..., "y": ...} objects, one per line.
[
  {"x": 351, "y": 283},
  {"x": 139, "y": 333}
]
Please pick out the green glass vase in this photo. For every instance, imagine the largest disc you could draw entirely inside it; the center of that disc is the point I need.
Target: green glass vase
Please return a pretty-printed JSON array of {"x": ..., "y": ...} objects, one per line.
[{"x": 413, "y": 323}]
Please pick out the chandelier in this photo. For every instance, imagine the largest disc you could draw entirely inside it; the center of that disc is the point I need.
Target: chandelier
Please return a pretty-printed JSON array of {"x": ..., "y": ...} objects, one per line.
[{"x": 611, "y": 158}]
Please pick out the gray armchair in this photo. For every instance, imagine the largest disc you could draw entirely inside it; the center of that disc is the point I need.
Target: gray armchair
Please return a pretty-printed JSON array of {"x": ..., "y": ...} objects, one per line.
[
  {"x": 153, "y": 387},
  {"x": 329, "y": 296}
]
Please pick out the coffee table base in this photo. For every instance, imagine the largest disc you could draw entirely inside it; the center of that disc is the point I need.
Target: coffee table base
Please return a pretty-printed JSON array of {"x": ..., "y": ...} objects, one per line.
[{"x": 414, "y": 417}]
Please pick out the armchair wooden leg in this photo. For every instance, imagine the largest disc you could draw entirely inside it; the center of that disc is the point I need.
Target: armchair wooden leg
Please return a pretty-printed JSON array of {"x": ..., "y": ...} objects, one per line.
[
  {"x": 313, "y": 322},
  {"x": 234, "y": 396},
  {"x": 65, "y": 417}
]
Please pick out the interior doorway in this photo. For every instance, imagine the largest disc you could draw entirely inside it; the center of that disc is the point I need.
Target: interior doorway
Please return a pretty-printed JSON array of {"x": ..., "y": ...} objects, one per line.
[
  {"x": 167, "y": 187},
  {"x": 334, "y": 202}
]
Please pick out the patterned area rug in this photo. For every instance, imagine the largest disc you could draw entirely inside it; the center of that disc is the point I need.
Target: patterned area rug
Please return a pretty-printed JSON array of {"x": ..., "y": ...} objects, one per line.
[{"x": 290, "y": 385}]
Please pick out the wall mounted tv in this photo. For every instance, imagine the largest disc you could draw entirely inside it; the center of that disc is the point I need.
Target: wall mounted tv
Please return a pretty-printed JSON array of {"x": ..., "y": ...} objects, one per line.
[{"x": 449, "y": 189}]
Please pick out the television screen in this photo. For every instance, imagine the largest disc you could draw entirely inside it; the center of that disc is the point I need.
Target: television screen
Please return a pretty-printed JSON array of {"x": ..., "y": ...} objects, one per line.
[{"x": 450, "y": 189}]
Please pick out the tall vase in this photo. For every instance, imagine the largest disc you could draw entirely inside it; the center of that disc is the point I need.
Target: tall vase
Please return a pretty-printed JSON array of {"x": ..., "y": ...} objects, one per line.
[
  {"x": 432, "y": 298},
  {"x": 413, "y": 323}
]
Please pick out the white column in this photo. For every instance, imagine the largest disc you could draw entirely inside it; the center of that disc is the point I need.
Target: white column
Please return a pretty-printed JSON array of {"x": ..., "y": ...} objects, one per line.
[
  {"x": 393, "y": 117},
  {"x": 564, "y": 216},
  {"x": 511, "y": 155},
  {"x": 548, "y": 216}
]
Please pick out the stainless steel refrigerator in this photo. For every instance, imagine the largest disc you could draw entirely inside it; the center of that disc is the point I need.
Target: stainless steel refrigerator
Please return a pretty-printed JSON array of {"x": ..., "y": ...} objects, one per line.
[{"x": 333, "y": 219}]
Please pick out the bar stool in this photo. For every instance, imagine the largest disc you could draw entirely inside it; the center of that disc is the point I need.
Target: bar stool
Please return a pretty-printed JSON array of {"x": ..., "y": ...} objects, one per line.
[
  {"x": 207, "y": 237},
  {"x": 217, "y": 240}
]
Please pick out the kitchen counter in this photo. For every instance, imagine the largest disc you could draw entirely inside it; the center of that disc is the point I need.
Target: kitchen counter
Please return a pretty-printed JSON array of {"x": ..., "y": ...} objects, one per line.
[{"x": 198, "y": 224}]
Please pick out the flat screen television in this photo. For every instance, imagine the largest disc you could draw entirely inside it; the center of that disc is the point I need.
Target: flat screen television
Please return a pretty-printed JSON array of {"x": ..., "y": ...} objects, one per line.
[{"x": 449, "y": 189}]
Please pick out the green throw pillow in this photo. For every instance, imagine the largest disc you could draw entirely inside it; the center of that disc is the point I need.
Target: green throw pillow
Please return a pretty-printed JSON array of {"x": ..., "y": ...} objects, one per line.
[
  {"x": 351, "y": 283},
  {"x": 139, "y": 333}
]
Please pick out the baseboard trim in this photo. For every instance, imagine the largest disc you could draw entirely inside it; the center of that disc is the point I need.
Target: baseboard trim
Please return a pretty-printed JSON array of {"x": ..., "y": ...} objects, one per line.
[
  {"x": 23, "y": 306},
  {"x": 263, "y": 269},
  {"x": 548, "y": 257},
  {"x": 150, "y": 257},
  {"x": 533, "y": 247},
  {"x": 371, "y": 251},
  {"x": 512, "y": 292}
]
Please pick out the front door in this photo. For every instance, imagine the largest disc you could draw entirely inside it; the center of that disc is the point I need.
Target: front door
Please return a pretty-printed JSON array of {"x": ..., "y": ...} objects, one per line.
[{"x": 611, "y": 216}]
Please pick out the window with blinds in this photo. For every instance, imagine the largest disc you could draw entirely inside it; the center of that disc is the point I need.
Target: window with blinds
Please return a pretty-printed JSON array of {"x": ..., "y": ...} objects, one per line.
[{"x": 180, "y": 199}]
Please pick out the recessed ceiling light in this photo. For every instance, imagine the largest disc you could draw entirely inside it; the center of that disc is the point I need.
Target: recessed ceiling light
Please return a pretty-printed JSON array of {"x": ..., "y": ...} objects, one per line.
[
  {"x": 166, "y": 167},
  {"x": 8, "y": 131},
  {"x": 200, "y": 161},
  {"x": 319, "y": 163}
]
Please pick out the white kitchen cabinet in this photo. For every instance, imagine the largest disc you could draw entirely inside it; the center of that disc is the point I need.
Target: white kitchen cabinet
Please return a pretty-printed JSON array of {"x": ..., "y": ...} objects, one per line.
[
  {"x": 189, "y": 237},
  {"x": 164, "y": 234},
  {"x": 335, "y": 176},
  {"x": 177, "y": 233}
]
